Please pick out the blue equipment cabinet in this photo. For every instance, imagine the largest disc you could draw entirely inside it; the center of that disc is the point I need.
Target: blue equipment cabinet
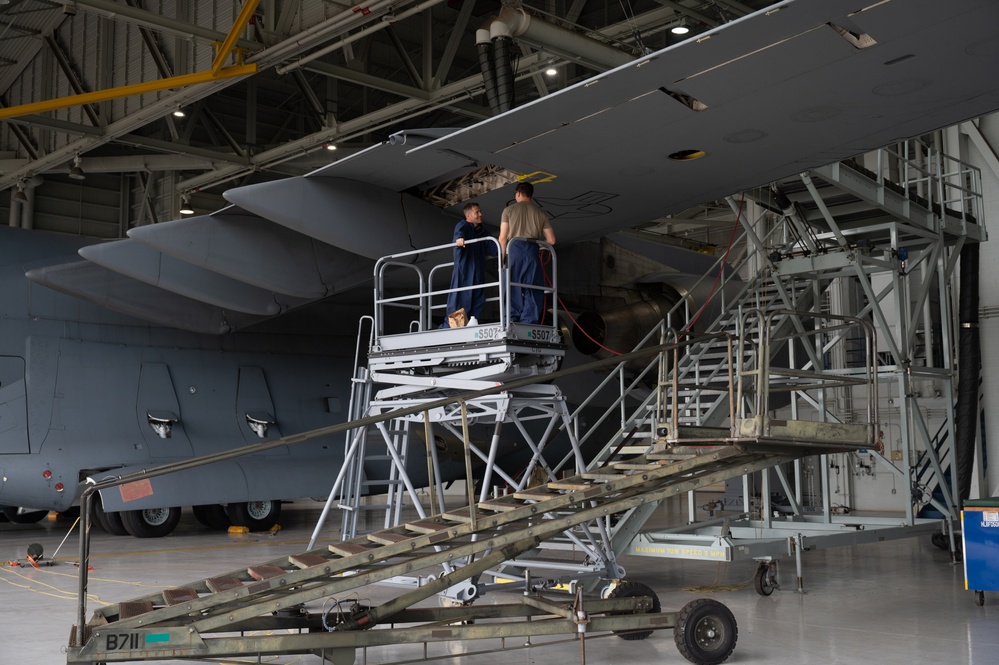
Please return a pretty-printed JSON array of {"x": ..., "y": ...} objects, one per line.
[{"x": 980, "y": 533}]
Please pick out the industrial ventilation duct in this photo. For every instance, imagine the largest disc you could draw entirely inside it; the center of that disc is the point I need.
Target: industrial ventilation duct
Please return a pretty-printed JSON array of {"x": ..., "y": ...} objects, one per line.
[{"x": 494, "y": 42}]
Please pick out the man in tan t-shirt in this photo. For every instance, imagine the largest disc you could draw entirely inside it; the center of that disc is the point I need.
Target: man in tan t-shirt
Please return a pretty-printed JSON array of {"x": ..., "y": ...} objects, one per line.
[{"x": 526, "y": 221}]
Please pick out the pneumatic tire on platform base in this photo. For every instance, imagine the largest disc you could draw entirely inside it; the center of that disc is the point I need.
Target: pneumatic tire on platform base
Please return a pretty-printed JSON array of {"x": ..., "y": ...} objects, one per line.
[
  {"x": 633, "y": 590},
  {"x": 705, "y": 632}
]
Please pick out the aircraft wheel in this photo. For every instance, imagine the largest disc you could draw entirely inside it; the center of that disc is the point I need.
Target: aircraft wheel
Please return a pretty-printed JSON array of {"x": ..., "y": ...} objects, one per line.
[
  {"x": 152, "y": 522},
  {"x": 213, "y": 516},
  {"x": 255, "y": 515},
  {"x": 632, "y": 590},
  {"x": 110, "y": 522},
  {"x": 12, "y": 514},
  {"x": 766, "y": 578},
  {"x": 705, "y": 632}
]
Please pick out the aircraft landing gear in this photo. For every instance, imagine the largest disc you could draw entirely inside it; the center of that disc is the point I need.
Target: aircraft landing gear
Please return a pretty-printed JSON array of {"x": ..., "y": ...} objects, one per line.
[
  {"x": 255, "y": 515},
  {"x": 110, "y": 522},
  {"x": 765, "y": 579},
  {"x": 152, "y": 522},
  {"x": 213, "y": 516},
  {"x": 705, "y": 632},
  {"x": 17, "y": 517}
]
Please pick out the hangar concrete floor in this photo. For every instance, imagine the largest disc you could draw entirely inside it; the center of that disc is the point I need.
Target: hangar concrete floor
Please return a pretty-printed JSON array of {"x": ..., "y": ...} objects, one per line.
[{"x": 891, "y": 603}]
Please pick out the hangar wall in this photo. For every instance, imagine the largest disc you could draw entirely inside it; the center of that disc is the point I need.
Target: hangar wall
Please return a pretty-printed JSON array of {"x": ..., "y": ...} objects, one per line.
[{"x": 988, "y": 161}]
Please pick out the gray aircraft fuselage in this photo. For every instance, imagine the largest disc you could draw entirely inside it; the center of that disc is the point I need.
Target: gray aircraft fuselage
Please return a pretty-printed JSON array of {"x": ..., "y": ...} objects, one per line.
[{"x": 78, "y": 382}]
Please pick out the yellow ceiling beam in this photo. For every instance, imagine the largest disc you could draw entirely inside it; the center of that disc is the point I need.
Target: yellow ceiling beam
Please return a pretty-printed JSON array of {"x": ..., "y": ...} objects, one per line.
[
  {"x": 245, "y": 14},
  {"x": 127, "y": 90}
]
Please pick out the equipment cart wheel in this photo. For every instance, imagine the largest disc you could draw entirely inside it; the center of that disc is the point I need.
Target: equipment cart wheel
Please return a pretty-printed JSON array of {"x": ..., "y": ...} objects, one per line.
[
  {"x": 980, "y": 598},
  {"x": 633, "y": 590},
  {"x": 705, "y": 632},
  {"x": 766, "y": 578}
]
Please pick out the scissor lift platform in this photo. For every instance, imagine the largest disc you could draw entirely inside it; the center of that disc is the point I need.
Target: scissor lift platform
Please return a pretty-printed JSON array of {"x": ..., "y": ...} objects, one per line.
[{"x": 229, "y": 614}]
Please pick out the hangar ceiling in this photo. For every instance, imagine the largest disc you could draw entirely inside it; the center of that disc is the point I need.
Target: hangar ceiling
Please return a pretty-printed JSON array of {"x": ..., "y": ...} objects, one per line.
[{"x": 329, "y": 74}]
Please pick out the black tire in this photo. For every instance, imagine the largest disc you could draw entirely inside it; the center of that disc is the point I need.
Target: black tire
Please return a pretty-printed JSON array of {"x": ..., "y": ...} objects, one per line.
[
  {"x": 110, "y": 522},
  {"x": 765, "y": 579},
  {"x": 152, "y": 522},
  {"x": 254, "y": 515},
  {"x": 633, "y": 590},
  {"x": 24, "y": 518},
  {"x": 705, "y": 632},
  {"x": 212, "y": 516},
  {"x": 980, "y": 598},
  {"x": 940, "y": 541}
]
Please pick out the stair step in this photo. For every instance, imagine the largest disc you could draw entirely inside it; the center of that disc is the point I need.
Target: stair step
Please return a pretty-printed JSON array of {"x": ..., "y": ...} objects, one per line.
[
  {"x": 570, "y": 485},
  {"x": 387, "y": 537},
  {"x": 265, "y": 572},
  {"x": 501, "y": 505},
  {"x": 178, "y": 596},
  {"x": 130, "y": 609},
  {"x": 426, "y": 526},
  {"x": 636, "y": 466},
  {"x": 348, "y": 549},
  {"x": 535, "y": 494},
  {"x": 220, "y": 584},
  {"x": 307, "y": 560},
  {"x": 602, "y": 475}
]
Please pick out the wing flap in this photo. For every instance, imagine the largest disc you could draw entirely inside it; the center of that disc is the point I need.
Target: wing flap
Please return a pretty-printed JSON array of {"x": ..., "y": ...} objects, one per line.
[
  {"x": 252, "y": 250},
  {"x": 95, "y": 284},
  {"x": 145, "y": 264},
  {"x": 358, "y": 217}
]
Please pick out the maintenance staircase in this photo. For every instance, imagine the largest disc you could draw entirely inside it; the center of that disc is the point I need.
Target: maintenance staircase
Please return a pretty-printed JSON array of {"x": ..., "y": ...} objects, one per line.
[
  {"x": 842, "y": 223},
  {"x": 313, "y": 597},
  {"x": 308, "y": 602}
]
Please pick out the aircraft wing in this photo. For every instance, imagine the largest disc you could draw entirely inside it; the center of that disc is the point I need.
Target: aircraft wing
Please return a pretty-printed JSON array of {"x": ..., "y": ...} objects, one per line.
[{"x": 797, "y": 85}]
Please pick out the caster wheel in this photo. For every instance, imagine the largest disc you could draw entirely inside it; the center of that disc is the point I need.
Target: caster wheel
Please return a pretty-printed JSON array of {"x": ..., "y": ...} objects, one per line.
[{"x": 765, "y": 579}]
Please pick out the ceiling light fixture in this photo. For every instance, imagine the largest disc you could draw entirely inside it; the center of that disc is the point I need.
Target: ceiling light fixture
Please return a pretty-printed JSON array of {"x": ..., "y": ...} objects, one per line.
[
  {"x": 330, "y": 146},
  {"x": 19, "y": 194},
  {"x": 185, "y": 205},
  {"x": 75, "y": 171},
  {"x": 551, "y": 71},
  {"x": 680, "y": 29},
  {"x": 179, "y": 113}
]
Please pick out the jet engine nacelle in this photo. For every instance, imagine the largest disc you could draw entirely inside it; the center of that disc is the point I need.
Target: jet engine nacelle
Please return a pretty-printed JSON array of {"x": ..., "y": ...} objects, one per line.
[
  {"x": 622, "y": 328},
  {"x": 600, "y": 334}
]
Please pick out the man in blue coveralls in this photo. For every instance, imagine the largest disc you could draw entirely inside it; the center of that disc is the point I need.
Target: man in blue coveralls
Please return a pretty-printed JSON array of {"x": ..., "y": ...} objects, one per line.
[
  {"x": 469, "y": 264},
  {"x": 527, "y": 221}
]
